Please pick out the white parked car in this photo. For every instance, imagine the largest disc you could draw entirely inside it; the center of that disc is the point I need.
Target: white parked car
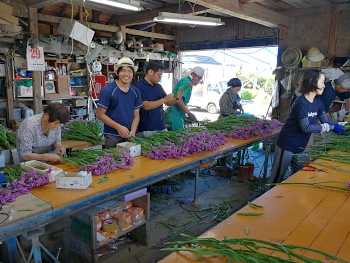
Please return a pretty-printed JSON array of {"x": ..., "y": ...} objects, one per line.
[{"x": 207, "y": 95}]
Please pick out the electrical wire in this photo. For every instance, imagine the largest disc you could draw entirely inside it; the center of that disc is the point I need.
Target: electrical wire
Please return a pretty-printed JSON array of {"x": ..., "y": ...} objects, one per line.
[
  {"x": 71, "y": 20},
  {"x": 5, "y": 219},
  {"x": 87, "y": 29}
]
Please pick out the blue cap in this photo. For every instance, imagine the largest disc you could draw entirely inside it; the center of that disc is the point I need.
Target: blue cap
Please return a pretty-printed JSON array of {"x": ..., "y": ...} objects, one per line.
[{"x": 234, "y": 82}]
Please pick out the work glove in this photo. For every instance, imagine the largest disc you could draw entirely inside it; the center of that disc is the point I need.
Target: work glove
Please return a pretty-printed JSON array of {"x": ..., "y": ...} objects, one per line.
[
  {"x": 325, "y": 127},
  {"x": 337, "y": 128},
  {"x": 192, "y": 117},
  {"x": 343, "y": 123}
]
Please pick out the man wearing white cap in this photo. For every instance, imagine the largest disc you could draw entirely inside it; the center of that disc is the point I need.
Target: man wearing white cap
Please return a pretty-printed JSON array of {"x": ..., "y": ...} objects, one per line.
[
  {"x": 340, "y": 88},
  {"x": 119, "y": 105},
  {"x": 177, "y": 112}
]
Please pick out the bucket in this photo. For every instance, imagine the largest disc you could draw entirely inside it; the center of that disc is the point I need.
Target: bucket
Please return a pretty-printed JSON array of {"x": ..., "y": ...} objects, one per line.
[
  {"x": 7, "y": 155},
  {"x": 347, "y": 118},
  {"x": 2, "y": 160},
  {"x": 15, "y": 157}
]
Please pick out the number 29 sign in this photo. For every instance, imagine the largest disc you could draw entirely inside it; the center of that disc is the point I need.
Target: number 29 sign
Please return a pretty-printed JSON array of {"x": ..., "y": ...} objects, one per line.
[{"x": 35, "y": 59}]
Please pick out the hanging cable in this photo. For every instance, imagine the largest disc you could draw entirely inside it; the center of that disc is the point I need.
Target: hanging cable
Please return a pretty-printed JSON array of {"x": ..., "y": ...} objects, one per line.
[
  {"x": 71, "y": 20},
  {"x": 87, "y": 29}
]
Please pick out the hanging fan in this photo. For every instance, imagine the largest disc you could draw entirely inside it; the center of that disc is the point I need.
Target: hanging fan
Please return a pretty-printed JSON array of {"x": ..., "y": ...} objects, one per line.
[{"x": 291, "y": 57}]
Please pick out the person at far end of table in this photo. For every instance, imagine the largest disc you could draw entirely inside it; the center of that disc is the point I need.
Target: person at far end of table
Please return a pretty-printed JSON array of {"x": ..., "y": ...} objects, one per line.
[
  {"x": 340, "y": 88},
  {"x": 178, "y": 111},
  {"x": 300, "y": 123},
  {"x": 39, "y": 136},
  {"x": 119, "y": 105},
  {"x": 153, "y": 97}
]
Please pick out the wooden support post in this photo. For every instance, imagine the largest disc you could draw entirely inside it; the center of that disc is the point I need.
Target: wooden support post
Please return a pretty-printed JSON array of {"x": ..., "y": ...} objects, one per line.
[
  {"x": 165, "y": 41},
  {"x": 81, "y": 13},
  {"x": 281, "y": 44},
  {"x": 36, "y": 75},
  {"x": 241, "y": 30},
  {"x": 96, "y": 19},
  {"x": 9, "y": 91},
  {"x": 123, "y": 30},
  {"x": 333, "y": 34}
]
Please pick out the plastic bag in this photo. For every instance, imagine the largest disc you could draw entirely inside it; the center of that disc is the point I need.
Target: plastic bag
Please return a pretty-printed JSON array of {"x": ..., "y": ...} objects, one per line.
[
  {"x": 104, "y": 216},
  {"x": 125, "y": 227},
  {"x": 127, "y": 205},
  {"x": 123, "y": 218},
  {"x": 8, "y": 209},
  {"x": 275, "y": 95},
  {"x": 118, "y": 242},
  {"x": 114, "y": 211},
  {"x": 136, "y": 212},
  {"x": 98, "y": 223}
]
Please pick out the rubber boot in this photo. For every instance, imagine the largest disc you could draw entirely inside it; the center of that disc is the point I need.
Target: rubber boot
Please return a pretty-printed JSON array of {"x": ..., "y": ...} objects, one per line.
[
  {"x": 242, "y": 174},
  {"x": 251, "y": 172}
]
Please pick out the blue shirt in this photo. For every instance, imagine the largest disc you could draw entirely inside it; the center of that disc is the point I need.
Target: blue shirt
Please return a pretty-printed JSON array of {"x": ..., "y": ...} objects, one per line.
[
  {"x": 329, "y": 94},
  {"x": 291, "y": 137},
  {"x": 119, "y": 105},
  {"x": 151, "y": 120}
]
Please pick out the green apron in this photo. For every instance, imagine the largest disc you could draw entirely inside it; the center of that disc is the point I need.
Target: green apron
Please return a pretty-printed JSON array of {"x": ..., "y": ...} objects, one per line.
[{"x": 175, "y": 114}]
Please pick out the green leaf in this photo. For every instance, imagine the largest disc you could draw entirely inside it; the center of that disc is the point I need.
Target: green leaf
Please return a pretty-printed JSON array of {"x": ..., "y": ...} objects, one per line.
[
  {"x": 44, "y": 203},
  {"x": 249, "y": 214},
  {"x": 312, "y": 176},
  {"x": 278, "y": 196},
  {"x": 254, "y": 205},
  {"x": 24, "y": 210},
  {"x": 246, "y": 230}
]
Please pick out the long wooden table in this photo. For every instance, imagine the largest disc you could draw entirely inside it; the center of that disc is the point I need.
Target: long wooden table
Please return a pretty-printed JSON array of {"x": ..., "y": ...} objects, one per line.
[
  {"x": 78, "y": 145},
  {"x": 144, "y": 172},
  {"x": 306, "y": 216}
]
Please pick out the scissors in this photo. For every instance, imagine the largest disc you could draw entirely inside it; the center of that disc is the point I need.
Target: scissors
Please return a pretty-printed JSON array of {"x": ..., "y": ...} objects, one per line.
[{"x": 308, "y": 167}]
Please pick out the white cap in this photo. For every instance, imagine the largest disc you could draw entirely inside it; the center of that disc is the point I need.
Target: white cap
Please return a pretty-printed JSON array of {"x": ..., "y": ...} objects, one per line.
[{"x": 198, "y": 71}]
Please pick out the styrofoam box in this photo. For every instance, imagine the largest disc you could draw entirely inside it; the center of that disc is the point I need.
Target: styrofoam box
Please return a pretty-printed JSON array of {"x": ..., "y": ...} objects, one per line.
[
  {"x": 29, "y": 165},
  {"x": 78, "y": 32},
  {"x": 133, "y": 195},
  {"x": 133, "y": 148},
  {"x": 73, "y": 182}
]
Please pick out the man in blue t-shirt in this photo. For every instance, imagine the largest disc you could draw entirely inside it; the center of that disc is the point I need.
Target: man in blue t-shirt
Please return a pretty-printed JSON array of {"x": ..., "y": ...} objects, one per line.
[
  {"x": 153, "y": 97},
  {"x": 340, "y": 88},
  {"x": 119, "y": 105}
]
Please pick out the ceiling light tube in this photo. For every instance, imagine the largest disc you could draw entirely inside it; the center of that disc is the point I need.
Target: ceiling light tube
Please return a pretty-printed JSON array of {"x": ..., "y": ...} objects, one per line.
[
  {"x": 124, "y": 5},
  {"x": 165, "y": 17}
]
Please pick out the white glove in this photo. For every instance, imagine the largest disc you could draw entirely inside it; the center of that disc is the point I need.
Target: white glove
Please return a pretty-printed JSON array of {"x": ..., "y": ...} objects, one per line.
[
  {"x": 343, "y": 123},
  {"x": 325, "y": 127}
]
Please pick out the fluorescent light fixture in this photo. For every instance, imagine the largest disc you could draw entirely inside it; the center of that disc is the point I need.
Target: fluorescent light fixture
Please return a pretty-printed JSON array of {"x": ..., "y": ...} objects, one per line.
[
  {"x": 129, "y": 4},
  {"x": 165, "y": 17}
]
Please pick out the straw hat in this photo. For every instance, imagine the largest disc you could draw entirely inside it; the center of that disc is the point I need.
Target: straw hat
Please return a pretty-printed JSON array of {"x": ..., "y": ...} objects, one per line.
[
  {"x": 125, "y": 62},
  {"x": 314, "y": 55}
]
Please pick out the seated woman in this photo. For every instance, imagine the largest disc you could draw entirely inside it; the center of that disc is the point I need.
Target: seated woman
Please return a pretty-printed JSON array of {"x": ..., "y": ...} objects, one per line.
[
  {"x": 230, "y": 101},
  {"x": 39, "y": 136},
  {"x": 299, "y": 125}
]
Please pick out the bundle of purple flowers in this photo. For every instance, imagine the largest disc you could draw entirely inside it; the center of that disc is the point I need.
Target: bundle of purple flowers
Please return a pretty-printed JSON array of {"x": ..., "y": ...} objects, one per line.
[
  {"x": 257, "y": 128},
  {"x": 110, "y": 162},
  {"x": 27, "y": 181},
  {"x": 189, "y": 144}
]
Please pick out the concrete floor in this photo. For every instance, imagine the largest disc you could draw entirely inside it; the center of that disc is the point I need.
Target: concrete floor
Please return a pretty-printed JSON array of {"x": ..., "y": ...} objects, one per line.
[{"x": 167, "y": 208}]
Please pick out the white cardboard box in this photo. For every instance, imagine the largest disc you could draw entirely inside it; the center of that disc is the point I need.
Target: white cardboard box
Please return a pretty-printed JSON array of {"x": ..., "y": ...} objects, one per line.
[
  {"x": 78, "y": 31},
  {"x": 29, "y": 165},
  {"x": 73, "y": 182},
  {"x": 133, "y": 148},
  {"x": 25, "y": 91}
]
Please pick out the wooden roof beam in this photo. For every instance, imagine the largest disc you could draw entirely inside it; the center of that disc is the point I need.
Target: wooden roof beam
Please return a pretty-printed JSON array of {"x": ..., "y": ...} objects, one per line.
[
  {"x": 40, "y": 4},
  {"x": 249, "y": 11},
  {"x": 317, "y": 10},
  {"x": 63, "y": 9},
  {"x": 145, "y": 17}
]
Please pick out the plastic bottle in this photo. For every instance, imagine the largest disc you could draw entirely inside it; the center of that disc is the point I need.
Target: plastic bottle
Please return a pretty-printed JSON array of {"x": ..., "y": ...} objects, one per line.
[{"x": 64, "y": 70}]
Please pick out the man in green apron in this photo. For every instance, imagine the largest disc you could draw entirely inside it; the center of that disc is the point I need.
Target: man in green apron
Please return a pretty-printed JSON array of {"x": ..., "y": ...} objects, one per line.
[{"x": 177, "y": 112}]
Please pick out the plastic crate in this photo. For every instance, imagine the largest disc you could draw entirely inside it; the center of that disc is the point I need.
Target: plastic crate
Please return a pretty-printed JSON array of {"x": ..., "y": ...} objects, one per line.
[{"x": 77, "y": 111}]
